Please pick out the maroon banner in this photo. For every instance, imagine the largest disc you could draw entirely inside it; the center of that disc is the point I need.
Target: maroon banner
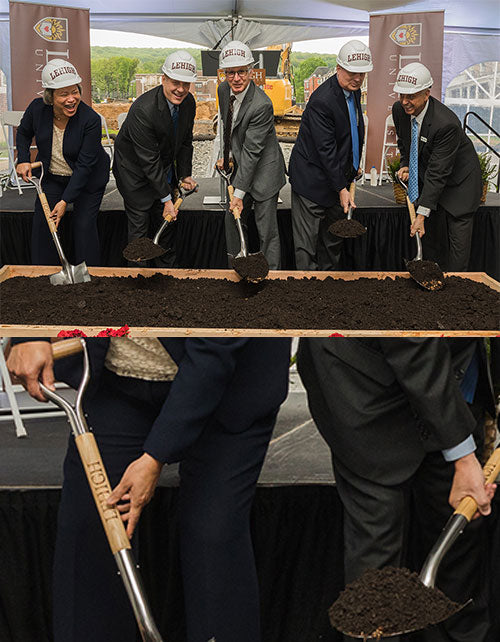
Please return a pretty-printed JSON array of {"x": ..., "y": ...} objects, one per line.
[
  {"x": 39, "y": 33},
  {"x": 397, "y": 40}
]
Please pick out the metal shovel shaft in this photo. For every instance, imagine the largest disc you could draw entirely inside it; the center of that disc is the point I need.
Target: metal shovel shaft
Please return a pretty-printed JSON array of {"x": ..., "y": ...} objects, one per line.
[{"x": 101, "y": 488}]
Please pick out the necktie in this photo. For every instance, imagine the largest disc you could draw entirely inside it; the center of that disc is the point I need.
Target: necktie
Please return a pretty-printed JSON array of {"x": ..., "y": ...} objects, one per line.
[
  {"x": 175, "y": 117},
  {"x": 227, "y": 132},
  {"x": 354, "y": 131},
  {"x": 413, "y": 170}
]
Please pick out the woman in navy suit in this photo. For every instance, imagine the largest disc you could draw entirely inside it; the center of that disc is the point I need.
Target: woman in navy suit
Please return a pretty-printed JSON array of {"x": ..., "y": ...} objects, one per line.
[{"x": 76, "y": 167}]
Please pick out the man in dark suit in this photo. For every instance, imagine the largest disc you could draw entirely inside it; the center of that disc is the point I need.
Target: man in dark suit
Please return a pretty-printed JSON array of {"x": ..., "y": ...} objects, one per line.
[
  {"x": 325, "y": 159},
  {"x": 442, "y": 169},
  {"x": 154, "y": 150},
  {"x": 210, "y": 404},
  {"x": 249, "y": 138},
  {"x": 402, "y": 418}
]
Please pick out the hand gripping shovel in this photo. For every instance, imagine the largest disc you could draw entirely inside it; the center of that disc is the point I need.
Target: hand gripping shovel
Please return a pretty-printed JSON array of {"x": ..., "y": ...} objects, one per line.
[
  {"x": 463, "y": 514},
  {"x": 426, "y": 273},
  {"x": 143, "y": 249},
  {"x": 99, "y": 484},
  {"x": 69, "y": 273},
  {"x": 251, "y": 267},
  {"x": 348, "y": 227}
]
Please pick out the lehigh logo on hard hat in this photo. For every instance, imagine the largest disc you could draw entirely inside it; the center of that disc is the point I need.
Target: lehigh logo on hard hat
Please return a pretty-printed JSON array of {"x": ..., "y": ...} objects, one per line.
[
  {"x": 52, "y": 29},
  {"x": 409, "y": 35}
]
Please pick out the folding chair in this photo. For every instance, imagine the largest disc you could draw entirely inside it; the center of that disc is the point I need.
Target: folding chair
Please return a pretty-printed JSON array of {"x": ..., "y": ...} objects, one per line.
[
  {"x": 6, "y": 385},
  {"x": 388, "y": 132},
  {"x": 120, "y": 118},
  {"x": 9, "y": 120},
  {"x": 109, "y": 142}
]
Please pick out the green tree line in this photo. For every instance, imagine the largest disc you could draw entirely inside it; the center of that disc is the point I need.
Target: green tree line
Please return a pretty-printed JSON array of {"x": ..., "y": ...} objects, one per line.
[{"x": 114, "y": 68}]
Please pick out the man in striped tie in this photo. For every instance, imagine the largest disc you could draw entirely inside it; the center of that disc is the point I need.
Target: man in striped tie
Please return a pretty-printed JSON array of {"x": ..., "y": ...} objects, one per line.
[{"x": 441, "y": 166}]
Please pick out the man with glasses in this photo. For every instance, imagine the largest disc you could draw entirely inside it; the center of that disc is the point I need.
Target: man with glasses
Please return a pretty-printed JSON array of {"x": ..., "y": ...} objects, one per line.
[
  {"x": 441, "y": 166},
  {"x": 250, "y": 149}
]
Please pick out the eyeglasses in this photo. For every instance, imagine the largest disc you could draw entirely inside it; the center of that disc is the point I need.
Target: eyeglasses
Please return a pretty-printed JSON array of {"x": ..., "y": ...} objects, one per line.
[{"x": 242, "y": 73}]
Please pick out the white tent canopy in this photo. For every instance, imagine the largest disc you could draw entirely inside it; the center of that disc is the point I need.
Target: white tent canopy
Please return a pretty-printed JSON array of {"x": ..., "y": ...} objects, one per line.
[{"x": 472, "y": 30}]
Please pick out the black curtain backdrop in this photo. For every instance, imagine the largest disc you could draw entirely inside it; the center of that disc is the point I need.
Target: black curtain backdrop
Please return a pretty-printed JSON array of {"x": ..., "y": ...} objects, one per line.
[
  {"x": 297, "y": 534},
  {"x": 200, "y": 241}
]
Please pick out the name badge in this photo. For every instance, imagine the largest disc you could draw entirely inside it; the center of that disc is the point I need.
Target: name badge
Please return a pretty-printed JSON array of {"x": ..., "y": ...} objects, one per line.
[{"x": 423, "y": 139}]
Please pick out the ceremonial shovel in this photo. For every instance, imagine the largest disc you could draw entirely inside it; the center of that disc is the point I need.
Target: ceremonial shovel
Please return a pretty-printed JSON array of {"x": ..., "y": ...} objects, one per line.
[
  {"x": 458, "y": 521},
  {"x": 69, "y": 273},
  {"x": 101, "y": 489},
  {"x": 426, "y": 273},
  {"x": 353, "y": 228},
  {"x": 153, "y": 248},
  {"x": 252, "y": 267}
]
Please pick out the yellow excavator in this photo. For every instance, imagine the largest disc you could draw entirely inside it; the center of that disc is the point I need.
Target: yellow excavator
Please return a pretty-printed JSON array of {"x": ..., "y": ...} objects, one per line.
[{"x": 280, "y": 91}]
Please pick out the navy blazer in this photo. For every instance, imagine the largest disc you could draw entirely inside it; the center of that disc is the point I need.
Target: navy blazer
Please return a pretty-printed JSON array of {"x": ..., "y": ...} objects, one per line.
[
  {"x": 448, "y": 167},
  {"x": 235, "y": 382},
  {"x": 382, "y": 404},
  {"x": 146, "y": 146},
  {"x": 82, "y": 147},
  {"x": 321, "y": 160}
]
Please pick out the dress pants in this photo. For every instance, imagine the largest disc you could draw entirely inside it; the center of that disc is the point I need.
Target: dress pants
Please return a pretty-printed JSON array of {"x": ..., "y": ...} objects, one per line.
[
  {"x": 218, "y": 477},
  {"x": 84, "y": 218},
  {"x": 447, "y": 239},
  {"x": 381, "y": 521},
  {"x": 266, "y": 221},
  {"x": 315, "y": 247}
]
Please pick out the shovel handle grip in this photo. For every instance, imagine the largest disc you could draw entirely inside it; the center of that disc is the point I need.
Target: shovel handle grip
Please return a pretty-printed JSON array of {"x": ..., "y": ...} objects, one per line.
[
  {"x": 66, "y": 348},
  {"x": 36, "y": 164},
  {"x": 468, "y": 505},
  {"x": 411, "y": 210},
  {"x": 352, "y": 190},
  {"x": 236, "y": 211},
  {"x": 101, "y": 489}
]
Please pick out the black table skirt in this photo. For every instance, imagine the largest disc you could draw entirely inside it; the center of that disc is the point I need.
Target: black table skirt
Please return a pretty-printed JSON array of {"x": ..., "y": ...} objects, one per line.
[{"x": 200, "y": 239}]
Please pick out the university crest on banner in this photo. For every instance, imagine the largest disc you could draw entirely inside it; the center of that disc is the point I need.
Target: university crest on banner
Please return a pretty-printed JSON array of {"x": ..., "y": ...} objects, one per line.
[
  {"x": 408, "y": 35},
  {"x": 52, "y": 29}
]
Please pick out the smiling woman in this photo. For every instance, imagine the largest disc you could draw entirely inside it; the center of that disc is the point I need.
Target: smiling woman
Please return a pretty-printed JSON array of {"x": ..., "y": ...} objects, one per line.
[{"x": 76, "y": 167}]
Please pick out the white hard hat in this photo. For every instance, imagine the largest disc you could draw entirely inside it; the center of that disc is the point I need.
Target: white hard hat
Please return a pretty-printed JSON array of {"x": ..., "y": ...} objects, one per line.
[
  {"x": 355, "y": 56},
  {"x": 180, "y": 65},
  {"x": 59, "y": 73},
  {"x": 235, "y": 54},
  {"x": 413, "y": 78}
]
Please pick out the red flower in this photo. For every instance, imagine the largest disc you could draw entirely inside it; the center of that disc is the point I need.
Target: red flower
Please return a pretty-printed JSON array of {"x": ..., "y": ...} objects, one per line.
[
  {"x": 71, "y": 333},
  {"x": 109, "y": 332},
  {"x": 336, "y": 334}
]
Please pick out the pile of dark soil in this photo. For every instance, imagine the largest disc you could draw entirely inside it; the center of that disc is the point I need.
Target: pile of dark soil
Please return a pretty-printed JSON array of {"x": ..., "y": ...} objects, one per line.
[
  {"x": 388, "y": 601},
  {"x": 167, "y": 301},
  {"x": 427, "y": 273},
  {"x": 142, "y": 249},
  {"x": 347, "y": 228},
  {"x": 253, "y": 267}
]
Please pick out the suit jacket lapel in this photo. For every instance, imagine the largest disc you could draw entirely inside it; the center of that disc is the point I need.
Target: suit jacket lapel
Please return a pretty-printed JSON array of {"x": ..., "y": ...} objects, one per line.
[
  {"x": 245, "y": 104},
  {"x": 426, "y": 125}
]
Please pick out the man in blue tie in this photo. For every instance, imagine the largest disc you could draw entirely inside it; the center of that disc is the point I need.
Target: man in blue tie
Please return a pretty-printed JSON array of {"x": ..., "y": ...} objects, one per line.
[
  {"x": 441, "y": 166},
  {"x": 325, "y": 159},
  {"x": 154, "y": 149}
]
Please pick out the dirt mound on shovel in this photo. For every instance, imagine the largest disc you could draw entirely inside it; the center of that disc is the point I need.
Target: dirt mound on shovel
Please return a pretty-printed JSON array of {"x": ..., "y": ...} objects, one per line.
[{"x": 388, "y": 601}]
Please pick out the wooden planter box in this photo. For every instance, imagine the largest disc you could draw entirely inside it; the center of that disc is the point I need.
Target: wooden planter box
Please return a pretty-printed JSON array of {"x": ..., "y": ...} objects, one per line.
[{"x": 10, "y": 271}]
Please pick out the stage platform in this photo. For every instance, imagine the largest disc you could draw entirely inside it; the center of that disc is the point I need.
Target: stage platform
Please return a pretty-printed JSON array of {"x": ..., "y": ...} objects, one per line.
[
  {"x": 296, "y": 528},
  {"x": 200, "y": 241}
]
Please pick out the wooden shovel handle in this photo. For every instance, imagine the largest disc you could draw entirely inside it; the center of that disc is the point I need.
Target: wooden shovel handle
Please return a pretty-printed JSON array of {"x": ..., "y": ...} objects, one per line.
[
  {"x": 66, "y": 348},
  {"x": 352, "y": 190},
  {"x": 36, "y": 164},
  {"x": 411, "y": 210},
  {"x": 468, "y": 506},
  {"x": 236, "y": 211},
  {"x": 94, "y": 467},
  {"x": 169, "y": 218},
  {"x": 101, "y": 489}
]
